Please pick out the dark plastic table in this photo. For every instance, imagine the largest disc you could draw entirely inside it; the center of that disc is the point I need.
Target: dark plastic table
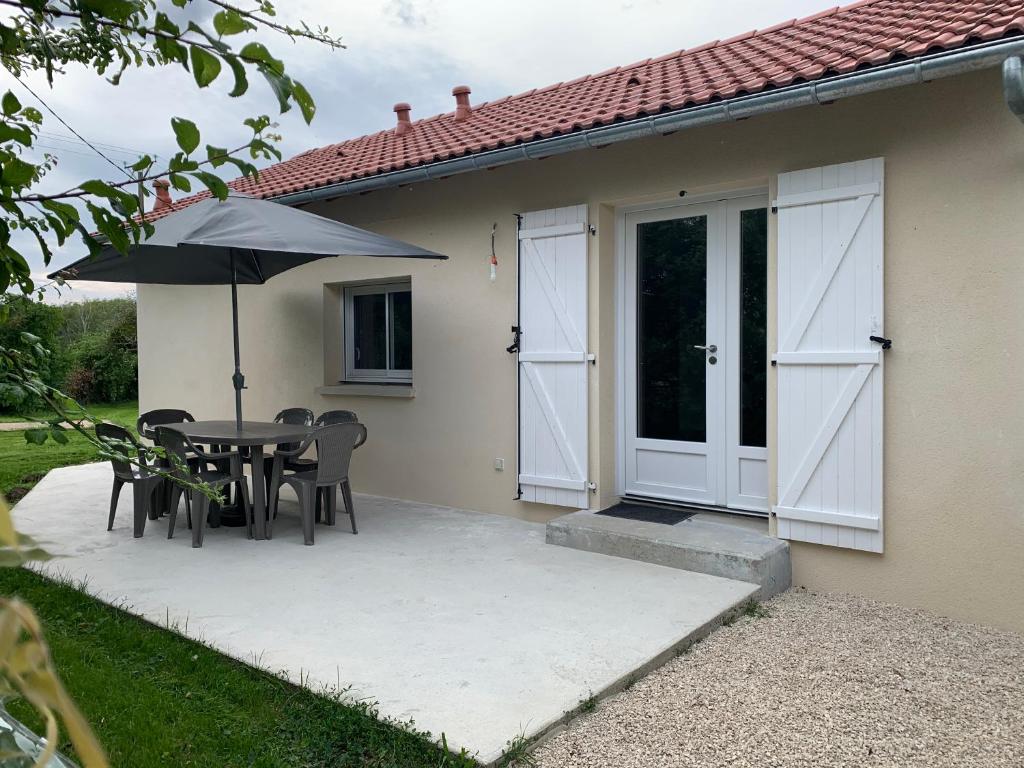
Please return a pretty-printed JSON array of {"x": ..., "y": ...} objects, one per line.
[{"x": 254, "y": 435}]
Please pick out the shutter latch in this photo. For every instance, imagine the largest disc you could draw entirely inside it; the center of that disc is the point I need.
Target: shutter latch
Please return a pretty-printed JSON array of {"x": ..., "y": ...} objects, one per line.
[
  {"x": 513, "y": 348},
  {"x": 886, "y": 343}
]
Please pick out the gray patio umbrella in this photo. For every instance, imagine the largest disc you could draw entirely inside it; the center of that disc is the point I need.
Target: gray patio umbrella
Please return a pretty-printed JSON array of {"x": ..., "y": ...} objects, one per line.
[{"x": 238, "y": 240}]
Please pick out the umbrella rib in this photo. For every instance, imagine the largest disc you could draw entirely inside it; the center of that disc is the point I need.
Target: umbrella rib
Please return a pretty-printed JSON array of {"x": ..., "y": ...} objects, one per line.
[{"x": 256, "y": 265}]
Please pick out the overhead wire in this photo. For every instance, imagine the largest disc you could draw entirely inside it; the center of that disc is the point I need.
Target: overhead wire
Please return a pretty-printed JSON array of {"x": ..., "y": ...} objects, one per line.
[
  {"x": 65, "y": 123},
  {"x": 50, "y": 136}
]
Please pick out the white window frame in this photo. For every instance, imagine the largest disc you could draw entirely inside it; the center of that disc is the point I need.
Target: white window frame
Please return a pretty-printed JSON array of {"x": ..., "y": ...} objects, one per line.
[{"x": 372, "y": 374}]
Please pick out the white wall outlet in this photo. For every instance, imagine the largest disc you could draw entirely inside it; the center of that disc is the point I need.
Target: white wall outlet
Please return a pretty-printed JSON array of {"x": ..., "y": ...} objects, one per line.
[{"x": 499, "y": 465}]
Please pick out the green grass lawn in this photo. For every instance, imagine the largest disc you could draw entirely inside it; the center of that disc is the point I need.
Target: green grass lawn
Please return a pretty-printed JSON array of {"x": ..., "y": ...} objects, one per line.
[
  {"x": 155, "y": 698},
  {"x": 22, "y": 464}
]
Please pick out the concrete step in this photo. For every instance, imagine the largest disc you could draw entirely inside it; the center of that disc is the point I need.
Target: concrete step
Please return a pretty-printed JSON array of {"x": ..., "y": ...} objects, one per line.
[{"x": 704, "y": 543}]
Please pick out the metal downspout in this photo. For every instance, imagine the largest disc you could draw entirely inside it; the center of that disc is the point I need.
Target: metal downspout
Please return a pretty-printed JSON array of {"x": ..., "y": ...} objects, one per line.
[
  {"x": 1013, "y": 85},
  {"x": 911, "y": 71}
]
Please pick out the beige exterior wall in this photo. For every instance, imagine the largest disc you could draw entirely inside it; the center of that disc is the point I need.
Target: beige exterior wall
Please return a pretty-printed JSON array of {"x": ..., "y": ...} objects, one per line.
[{"x": 954, "y": 384}]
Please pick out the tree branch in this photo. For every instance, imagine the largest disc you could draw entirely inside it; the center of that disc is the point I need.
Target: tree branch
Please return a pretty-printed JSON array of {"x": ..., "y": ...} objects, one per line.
[
  {"x": 256, "y": 18},
  {"x": 75, "y": 192}
]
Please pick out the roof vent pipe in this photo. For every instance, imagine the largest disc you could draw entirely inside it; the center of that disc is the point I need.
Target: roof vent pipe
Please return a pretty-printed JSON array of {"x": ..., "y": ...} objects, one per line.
[
  {"x": 404, "y": 123},
  {"x": 163, "y": 196},
  {"x": 1013, "y": 85},
  {"x": 462, "y": 106}
]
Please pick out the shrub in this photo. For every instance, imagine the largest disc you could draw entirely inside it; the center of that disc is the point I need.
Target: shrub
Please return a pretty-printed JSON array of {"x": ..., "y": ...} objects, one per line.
[
  {"x": 44, "y": 321},
  {"x": 93, "y": 348},
  {"x": 117, "y": 375},
  {"x": 104, "y": 362},
  {"x": 81, "y": 385}
]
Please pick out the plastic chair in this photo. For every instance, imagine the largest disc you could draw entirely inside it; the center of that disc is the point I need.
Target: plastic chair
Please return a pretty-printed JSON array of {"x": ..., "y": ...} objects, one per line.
[
  {"x": 334, "y": 446},
  {"x": 299, "y": 464},
  {"x": 338, "y": 417},
  {"x": 144, "y": 485},
  {"x": 180, "y": 445},
  {"x": 146, "y": 424},
  {"x": 146, "y": 427},
  {"x": 298, "y": 416}
]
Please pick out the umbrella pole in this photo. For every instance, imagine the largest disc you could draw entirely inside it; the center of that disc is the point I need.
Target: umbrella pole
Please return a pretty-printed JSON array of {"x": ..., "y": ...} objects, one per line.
[{"x": 237, "y": 379}]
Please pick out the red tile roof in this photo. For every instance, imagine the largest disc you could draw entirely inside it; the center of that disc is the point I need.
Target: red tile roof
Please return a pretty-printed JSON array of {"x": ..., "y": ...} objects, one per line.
[{"x": 833, "y": 42}]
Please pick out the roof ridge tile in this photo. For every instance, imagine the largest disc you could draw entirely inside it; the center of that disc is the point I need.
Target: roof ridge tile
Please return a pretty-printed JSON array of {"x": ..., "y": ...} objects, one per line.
[
  {"x": 819, "y": 15},
  {"x": 737, "y": 38},
  {"x": 704, "y": 47},
  {"x": 776, "y": 27}
]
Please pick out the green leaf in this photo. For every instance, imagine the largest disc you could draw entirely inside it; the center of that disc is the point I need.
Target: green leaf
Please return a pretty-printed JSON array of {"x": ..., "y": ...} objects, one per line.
[
  {"x": 257, "y": 124},
  {"x": 97, "y": 187},
  {"x": 57, "y": 433},
  {"x": 17, "y": 173},
  {"x": 246, "y": 169},
  {"x": 179, "y": 162},
  {"x": 110, "y": 226},
  {"x": 142, "y": 163},
  {"x": 186, "y": 133},
  {"x": 217, "y": 156},
  {"x": 261, "y": 149},
  {"x": 205, "y": 66},
  {"x": 257, "y": 53},
  {"x": 115, "y": 10},
  {"x": 169, "y": 47},
  {"x": 213, "y": 182},
  {"x": 218, "y": 45},
  {"x": 304, "y": 100},
  {"x": 10, "y": 103},
  {"x": 231, "y": 22},
  {"x": 64, "y": 210},
  {"x": 282, "y": 87},
  {"x": 12, "y": 393},
  {"x": 62, "y": 228},
  {"x": 36, "y": 436},
  {"x": 18, "y": 133},
  {"x": 180, "y": 182},
  {"x": 125, "y": 203},
  {"x": 93, "y": 244},
  {"x": 241, "y": 79}
]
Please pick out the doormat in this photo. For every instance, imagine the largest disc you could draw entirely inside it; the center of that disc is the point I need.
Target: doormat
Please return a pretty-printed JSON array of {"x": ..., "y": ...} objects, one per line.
[{"x": 663, "y": 515}]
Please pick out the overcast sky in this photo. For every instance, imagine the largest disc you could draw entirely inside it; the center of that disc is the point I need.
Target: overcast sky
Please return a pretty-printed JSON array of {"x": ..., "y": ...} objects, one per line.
[{"x": 397, "y": 50}]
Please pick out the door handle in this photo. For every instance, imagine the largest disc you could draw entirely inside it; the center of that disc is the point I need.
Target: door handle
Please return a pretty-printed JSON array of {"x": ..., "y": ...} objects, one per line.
[{"x": 712, "y": 348}]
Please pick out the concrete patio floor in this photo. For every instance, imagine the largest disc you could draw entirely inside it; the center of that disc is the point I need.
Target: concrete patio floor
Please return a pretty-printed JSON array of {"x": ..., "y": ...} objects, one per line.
[{"x": 467, "y": 623}]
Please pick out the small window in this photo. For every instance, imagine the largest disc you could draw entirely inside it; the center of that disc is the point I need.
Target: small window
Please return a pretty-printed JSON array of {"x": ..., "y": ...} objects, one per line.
[{"x": 378, "y": 332}]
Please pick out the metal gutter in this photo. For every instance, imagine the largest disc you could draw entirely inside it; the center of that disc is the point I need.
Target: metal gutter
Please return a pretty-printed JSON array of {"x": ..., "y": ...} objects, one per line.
[{"x": 918, "y": 70}]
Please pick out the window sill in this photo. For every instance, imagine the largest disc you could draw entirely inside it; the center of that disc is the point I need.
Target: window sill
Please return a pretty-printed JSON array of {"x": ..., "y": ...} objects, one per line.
[{"x": 404, "y": 391}]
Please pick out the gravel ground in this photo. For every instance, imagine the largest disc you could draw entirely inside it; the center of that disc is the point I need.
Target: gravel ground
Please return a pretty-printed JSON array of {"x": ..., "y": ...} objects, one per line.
[{"x": 822, "y": 680}]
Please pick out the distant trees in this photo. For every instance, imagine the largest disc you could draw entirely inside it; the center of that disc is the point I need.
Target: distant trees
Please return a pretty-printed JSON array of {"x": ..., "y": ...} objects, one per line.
[{"x": 93, "y": 348}]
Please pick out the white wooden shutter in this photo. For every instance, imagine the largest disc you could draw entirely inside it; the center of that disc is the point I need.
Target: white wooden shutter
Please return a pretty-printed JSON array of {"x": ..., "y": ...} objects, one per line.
[
  {"x": 553, "y": 356},
  {"x": 829, "y": 371}
]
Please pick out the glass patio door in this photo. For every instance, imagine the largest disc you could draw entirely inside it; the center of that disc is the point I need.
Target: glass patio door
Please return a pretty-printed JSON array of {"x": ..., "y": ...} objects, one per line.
[{"x": 695, "y": 354}]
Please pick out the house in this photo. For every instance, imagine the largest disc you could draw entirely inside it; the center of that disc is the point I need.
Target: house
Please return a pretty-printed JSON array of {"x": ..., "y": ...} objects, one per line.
[{"x": 776, "y": 275}]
